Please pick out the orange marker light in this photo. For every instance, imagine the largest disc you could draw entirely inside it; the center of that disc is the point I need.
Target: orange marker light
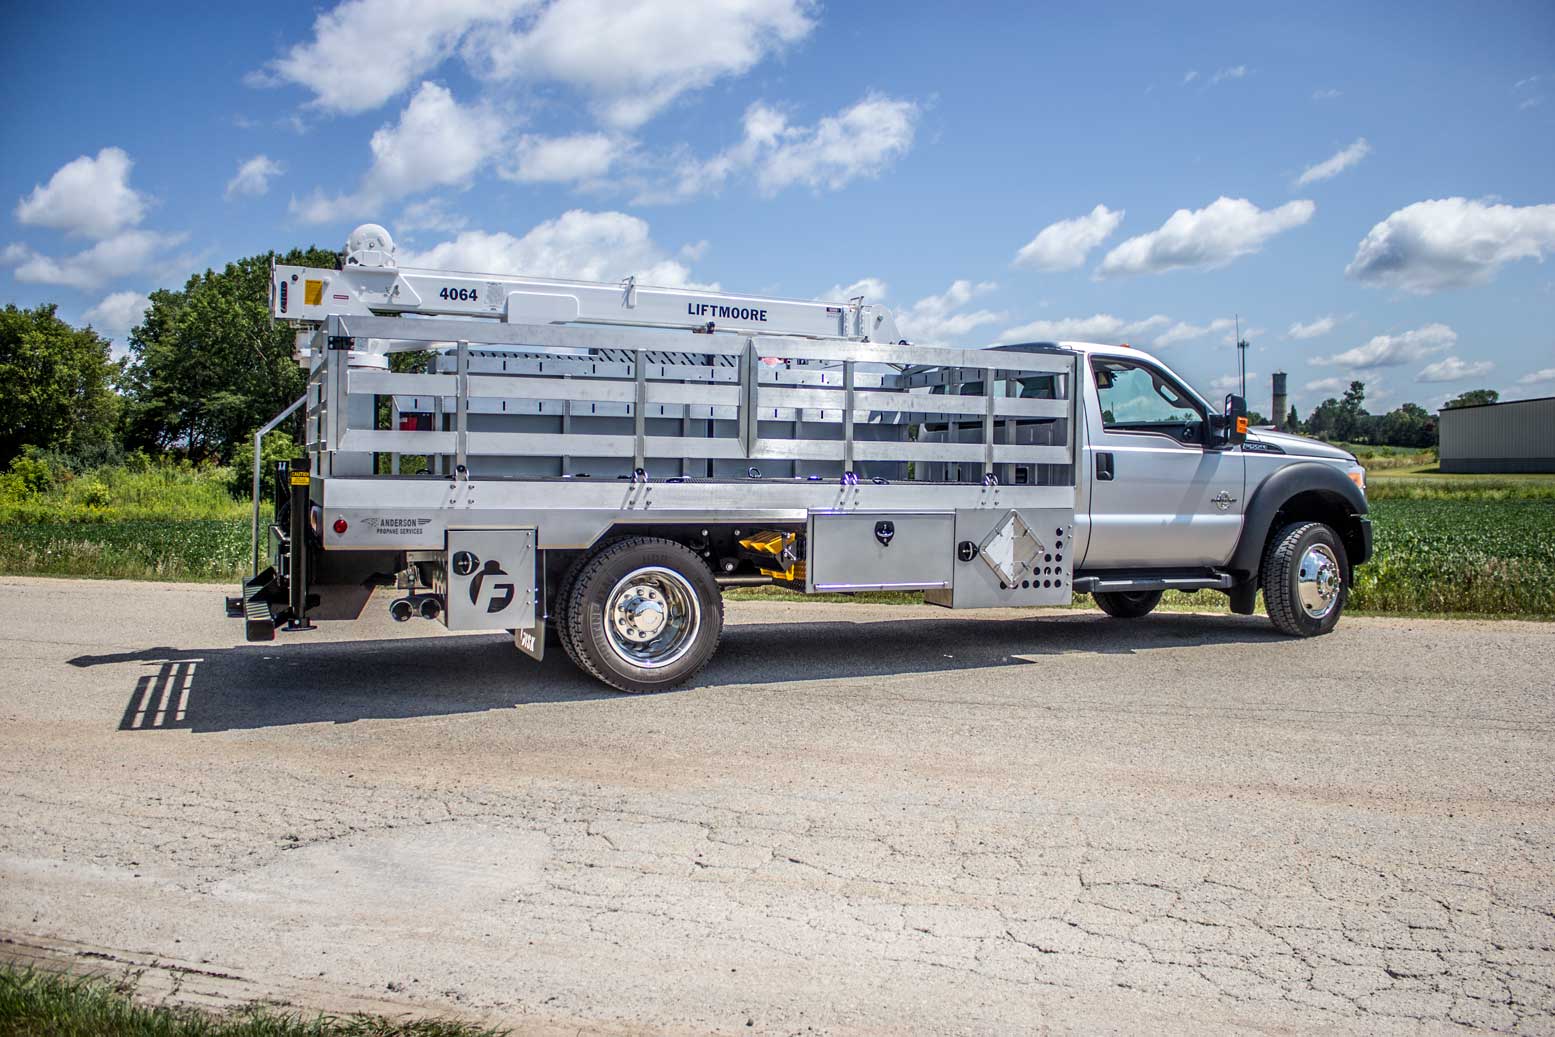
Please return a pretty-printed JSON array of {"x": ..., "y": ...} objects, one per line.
[{"x": 1241, "y": 426}]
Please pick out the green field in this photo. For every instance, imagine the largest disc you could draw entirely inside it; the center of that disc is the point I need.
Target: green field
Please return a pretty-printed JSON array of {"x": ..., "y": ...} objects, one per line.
[
  {"x": 128, "y": 549},
  {"x": 1461, "y": 544}
]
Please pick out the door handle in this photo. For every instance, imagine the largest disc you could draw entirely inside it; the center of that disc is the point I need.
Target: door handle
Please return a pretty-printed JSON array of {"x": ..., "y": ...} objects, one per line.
[{"x": 1103, "y": 467}]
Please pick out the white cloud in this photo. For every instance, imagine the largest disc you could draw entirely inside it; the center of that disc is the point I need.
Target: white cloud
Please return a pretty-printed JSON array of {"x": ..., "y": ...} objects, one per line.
[
  {"x": 582, "y": 157},
  {"x": 1394, "y": 350},
  {"x": 861, "y": 141},
  {"x": 130, "y": 252},
  {"x": 1451, "y": 243},
  {"x": 1312, "y": 329},
  {"x": 1209, "y": 237},
  {"x": 1232, "y": 382},
  {"x": 634, "y": 57},
  {"x": 1185, "y": 332},
  {"x": 1327, "y": 94},
  {"x": 932, "y": 320},
  {"x": 1335, "y": 164},
  {"x": 1233, "y": 72},
  {"x": 253, "y": 177},
  {"x": 117, "y": 313},
  {"x": 88, "y": 196},
  {"x": 939, "y": 318},
  {"x": 871, "y": 288},
  {"x": 589, "y": 246},
  {"x": 431, "y": 214},
  {"x": 1450, "y": 369},
  {"x": 1100, "y": 327},
  {"x": 1065, "y": 244},
  {"x": 1539, "y": 377},
  {"x": 1189, "y": 76},
  {"x": 364, "y": 52},
  {"x": 437, "y": 142},
  {"x": 1335, "y": 385}
]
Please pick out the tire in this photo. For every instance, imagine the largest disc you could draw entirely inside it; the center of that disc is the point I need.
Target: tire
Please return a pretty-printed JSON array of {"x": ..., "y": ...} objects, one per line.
[
  {"x": 560, "y": 620},
  {"x": 1305, "y": 579},
  {"x": 644, "y": 614},
  {"x": 1127, "y": 604}
]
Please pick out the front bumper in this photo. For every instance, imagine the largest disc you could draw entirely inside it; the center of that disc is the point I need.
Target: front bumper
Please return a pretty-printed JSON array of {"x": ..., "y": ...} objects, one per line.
[{"x": 1358, "y": 545}]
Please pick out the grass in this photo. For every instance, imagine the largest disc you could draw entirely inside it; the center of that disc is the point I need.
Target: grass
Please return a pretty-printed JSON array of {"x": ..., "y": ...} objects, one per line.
[
  {"x": 1492, "y": 555},
  {"x": 189, "y": 550},
  {"x": 1459, "y": 544},
  {"x": 1428, "y": 482},
  {"x": 36, "y": 1003},
  {"x": 1384, "y": 458},
  {"x": 152, "y": 522},
  {"x": 164, "y": 492}
]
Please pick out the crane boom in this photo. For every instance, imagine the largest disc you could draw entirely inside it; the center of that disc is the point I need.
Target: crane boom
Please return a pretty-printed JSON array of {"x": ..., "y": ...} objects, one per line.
[{"x": 370, "y": 281}]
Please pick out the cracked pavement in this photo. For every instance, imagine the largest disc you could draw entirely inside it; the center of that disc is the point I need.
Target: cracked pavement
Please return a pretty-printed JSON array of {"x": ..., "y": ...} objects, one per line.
[{"x": 860, "y": 819}]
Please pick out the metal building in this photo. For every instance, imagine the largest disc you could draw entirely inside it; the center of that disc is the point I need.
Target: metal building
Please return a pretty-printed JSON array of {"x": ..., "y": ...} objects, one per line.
[{"x": 1517, "y": 436}]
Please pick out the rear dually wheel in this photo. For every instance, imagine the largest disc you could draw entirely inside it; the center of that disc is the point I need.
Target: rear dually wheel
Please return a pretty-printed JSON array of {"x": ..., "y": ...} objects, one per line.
[{"x": 643, "y": 614}]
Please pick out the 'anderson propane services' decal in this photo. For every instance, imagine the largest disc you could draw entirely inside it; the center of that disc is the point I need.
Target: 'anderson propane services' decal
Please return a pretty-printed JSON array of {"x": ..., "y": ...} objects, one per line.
[{"x": 396, "y": 527}]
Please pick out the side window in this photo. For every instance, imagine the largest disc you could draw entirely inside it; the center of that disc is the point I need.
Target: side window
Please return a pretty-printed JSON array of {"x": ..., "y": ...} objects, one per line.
[{"x": 1135, "y": 398}]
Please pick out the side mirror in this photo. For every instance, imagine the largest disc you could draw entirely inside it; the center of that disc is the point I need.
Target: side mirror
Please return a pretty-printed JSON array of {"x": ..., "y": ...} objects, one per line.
[{"x": 1235, "y": 419}]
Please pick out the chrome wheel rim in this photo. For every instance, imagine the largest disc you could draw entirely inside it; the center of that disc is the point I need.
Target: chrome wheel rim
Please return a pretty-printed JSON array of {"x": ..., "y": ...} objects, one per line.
[
  {"x": 651, "y": 617},
  {"x": 1318, "y": 581}
]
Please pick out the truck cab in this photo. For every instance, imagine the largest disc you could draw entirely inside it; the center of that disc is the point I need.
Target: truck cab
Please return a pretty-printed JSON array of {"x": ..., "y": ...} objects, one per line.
[{"x": 1172, "y": 495}]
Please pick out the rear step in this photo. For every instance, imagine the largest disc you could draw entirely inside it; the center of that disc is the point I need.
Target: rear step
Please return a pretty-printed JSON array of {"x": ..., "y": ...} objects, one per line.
[
  {"x": 255, "y": 608},
  {"x": 1108, "y": 584}
]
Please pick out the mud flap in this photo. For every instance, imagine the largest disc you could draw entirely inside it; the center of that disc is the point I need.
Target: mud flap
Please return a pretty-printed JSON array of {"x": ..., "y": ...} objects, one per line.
[{"x": 531, "y": 639}]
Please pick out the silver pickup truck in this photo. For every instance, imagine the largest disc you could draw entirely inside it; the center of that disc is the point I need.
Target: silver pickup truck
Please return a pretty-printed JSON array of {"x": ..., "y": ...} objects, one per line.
[{"x": 579, "y": 477}]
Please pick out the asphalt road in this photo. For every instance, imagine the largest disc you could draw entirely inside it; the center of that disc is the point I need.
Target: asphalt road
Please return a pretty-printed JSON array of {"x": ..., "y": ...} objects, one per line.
[{"x": 861, "y": 819}]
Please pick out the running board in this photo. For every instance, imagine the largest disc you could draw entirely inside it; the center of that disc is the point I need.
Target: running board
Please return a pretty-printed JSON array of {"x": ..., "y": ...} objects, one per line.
[{"x": 1105, "y": 584}]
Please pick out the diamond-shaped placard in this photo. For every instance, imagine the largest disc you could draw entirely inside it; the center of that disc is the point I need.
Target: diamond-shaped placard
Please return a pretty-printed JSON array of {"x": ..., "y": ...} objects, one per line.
[{"x": 1011, "y": 550}]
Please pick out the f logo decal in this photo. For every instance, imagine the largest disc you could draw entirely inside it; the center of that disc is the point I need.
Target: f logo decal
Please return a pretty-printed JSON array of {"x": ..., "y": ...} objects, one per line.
[{"x": 497, "y": 595}]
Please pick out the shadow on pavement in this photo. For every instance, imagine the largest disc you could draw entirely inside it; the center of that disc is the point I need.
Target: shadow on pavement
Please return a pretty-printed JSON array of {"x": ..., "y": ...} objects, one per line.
[{"x": 267, "y": 685}]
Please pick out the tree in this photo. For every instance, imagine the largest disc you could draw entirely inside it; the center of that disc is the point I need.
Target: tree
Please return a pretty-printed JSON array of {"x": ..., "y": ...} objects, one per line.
[
  {"x": 58, "y": 384},
  {"x": 1352, "y": 412},
  {"x": 1293, "y": 420},
  {"x": 1473, "y": 398},
  {"x": 1407, "y": 425},
  {"x": 1325, "y": 420},
  {"x": 207, "y": 366}
]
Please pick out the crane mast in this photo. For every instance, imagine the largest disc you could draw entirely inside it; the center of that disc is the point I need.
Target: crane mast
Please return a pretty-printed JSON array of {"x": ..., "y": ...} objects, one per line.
[{"x": 370, "y": 281}]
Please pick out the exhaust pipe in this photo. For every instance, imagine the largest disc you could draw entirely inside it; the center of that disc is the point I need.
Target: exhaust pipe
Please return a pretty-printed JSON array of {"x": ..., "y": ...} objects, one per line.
[
  {"x": 401, "y": 610},
  {"x": 431, "y": 607}
]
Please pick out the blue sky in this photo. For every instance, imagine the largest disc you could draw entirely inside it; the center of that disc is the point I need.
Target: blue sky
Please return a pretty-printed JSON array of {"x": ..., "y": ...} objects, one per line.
[{"x": 1372, "y": 189}]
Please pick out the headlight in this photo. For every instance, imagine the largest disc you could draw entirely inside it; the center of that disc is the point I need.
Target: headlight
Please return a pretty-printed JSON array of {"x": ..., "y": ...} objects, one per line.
[{"x": 1357, "y": 475}]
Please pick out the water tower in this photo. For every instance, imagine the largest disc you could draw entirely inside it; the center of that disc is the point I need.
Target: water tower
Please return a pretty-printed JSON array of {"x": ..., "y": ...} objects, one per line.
[{"x": 1281, "y": 401}]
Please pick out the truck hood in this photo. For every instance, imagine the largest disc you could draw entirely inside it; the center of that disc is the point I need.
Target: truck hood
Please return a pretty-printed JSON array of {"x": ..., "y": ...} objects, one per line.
[{"x": 1299, "y": 446}]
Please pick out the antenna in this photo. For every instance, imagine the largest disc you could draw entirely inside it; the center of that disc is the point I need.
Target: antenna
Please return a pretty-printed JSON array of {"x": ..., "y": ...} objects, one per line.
[{"x": 1241, "y": 355}]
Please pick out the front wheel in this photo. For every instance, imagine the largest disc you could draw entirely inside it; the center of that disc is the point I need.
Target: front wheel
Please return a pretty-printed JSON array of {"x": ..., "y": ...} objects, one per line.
[
  {"x": 644, "y": 614},
  {"x": 1304, "y": 579},
  {"x": 1127, "y": 604}
]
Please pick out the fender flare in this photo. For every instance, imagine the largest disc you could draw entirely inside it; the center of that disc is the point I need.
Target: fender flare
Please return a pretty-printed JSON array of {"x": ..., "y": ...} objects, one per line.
[{"x": 1274, "y": 492}]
